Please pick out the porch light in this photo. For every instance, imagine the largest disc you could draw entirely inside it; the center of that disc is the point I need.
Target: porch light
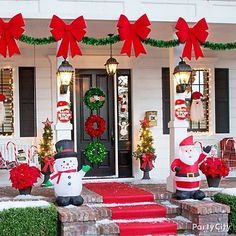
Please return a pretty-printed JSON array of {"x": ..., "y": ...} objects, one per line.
[
  {"x": 182, "y": 74},
  {"x": 64, "y": 74},
  {"x": 111, "y": 64}
]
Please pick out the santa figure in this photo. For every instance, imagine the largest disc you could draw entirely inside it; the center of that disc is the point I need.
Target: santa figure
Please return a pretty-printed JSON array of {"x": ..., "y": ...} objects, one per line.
[
  {"x": 187, "y": 176},
  {"x": 2, "y": 108},
  {"x": 181, "y": 110},
  {"x": 64, "y": 113},
  {"x": 196, "y": 111}
]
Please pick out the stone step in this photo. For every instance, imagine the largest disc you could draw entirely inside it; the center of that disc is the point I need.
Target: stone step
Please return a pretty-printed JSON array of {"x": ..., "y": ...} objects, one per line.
[{"x": 111, "y": 227}]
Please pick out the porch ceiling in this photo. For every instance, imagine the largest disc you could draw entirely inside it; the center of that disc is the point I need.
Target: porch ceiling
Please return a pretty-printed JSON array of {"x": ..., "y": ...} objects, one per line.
[{"x": 160, "y": 30}]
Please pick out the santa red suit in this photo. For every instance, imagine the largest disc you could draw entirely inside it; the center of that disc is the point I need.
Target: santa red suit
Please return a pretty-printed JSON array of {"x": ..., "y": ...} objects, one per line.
[{"x": 187, "y": 177}]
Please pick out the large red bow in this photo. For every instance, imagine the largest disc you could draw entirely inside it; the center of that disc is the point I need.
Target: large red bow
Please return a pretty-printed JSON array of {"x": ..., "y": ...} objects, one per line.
[
  {"x": 133, "y": 34},
  {"x": 48, "y": 163},
  {"x": 69, "y": 34},
  {"x": 9, "y": 31},
  {"x": 147, "y": 160},
  {"x": 192, "y": 37}
]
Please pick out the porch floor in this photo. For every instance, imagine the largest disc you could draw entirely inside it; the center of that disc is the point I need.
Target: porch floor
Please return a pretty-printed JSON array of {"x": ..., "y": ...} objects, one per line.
[{"x": 95, "y": 218}]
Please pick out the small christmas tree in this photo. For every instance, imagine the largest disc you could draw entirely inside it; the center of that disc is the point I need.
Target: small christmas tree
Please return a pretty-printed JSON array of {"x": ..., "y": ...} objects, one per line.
[
  {"x": 145, "y": 150},
  {"x": 46, "y": 145},
  {"x": 46, "y": 152}
]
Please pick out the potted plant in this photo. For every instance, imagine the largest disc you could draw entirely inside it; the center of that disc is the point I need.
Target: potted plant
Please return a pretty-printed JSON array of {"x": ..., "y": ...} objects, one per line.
[
  {"x": 214, "y": 168},
  {"x": 145, "y": 151},
  {"x": 23, "y": 177}
]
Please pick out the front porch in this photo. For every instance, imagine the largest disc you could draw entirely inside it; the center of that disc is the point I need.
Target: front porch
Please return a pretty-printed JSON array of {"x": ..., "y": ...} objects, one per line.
[{"x": 95, "y": 217}]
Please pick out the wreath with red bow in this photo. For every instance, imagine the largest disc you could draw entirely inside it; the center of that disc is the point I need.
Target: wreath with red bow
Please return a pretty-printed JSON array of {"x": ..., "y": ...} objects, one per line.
[{"x": 95, "y": 126}]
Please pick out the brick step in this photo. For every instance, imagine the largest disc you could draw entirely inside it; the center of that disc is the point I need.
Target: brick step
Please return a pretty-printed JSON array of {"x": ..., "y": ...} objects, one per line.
[
  {"x": 112, "y": 227},
  {"x": 138, "y": 211}
]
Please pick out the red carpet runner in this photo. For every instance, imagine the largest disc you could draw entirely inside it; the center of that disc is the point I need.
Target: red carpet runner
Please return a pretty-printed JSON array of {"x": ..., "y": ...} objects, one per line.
[{"x": 141, "y": 217}]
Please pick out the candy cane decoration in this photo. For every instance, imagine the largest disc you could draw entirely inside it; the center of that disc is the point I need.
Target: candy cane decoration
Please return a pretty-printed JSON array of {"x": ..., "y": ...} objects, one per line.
[
  {"x": 199, "y": 144},
  {"x": 14, "y": 148}
]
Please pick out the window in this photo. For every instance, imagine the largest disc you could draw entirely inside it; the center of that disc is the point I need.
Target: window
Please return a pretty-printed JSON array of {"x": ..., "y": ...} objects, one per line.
[
  {"x": 6, "y": 88},
  {"x": 199, "y": 82}
]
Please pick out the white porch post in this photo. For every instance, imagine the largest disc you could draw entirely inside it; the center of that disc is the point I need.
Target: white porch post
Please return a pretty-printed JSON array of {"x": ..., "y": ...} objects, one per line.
[
  {"x": 63, "y": 130},
  {"x": 178, "y": 128}
]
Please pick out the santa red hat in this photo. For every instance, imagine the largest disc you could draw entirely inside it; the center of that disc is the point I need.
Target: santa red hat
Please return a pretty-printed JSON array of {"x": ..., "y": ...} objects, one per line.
[
  {"x": 196, "y": 95},
  {"x": 63, "y": 105},
  {"x": 179, "y": 102},
  {"x": 2, "y": 97},
  {"x": 187, "y": 141}
]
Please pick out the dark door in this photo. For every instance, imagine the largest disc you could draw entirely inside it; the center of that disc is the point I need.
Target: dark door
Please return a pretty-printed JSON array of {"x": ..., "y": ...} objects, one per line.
[{"x": 86, "y": 79}]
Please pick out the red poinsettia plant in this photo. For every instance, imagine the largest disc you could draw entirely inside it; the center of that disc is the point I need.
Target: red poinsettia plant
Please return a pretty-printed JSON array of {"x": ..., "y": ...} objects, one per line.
[
  {"x": 214, "y": 167},
  {"x": 24, "y": 176}
]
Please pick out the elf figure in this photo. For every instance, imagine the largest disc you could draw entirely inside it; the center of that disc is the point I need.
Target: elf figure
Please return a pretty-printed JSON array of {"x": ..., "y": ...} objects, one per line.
[
  {"x": 196, "y": 110},
  {"x": 187, "y": 178},
  {"x": 2, "y": 108},
  {"x": 123, "y": 99},
  {"x": 67, "y": 180}
]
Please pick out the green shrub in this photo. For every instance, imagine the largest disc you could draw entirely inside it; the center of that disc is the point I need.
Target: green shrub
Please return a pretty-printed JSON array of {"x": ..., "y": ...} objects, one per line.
[
  {"x": 231, "y": 202},
  {"x": 30, "y": 221}
]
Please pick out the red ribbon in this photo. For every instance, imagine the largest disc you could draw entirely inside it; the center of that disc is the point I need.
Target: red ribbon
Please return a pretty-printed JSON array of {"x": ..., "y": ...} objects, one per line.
[
  {"x": 59, "y": 173},
  {"x": 133, "y": 34},
  {"x": 48, "y": 162},
  {"x": 9, "y": 31},
  {"x": 147, "y": 159},
  {"x": 192, "y": 37},
  {"x": 69, "y": 34}
]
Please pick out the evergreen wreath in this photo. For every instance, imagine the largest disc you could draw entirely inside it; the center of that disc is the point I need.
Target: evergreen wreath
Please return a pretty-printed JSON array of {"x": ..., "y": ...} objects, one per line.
[
  {"x": 95, "y": 152},
  {"x": 95, "y": 126},
  {"x": 94, "y": 98}
]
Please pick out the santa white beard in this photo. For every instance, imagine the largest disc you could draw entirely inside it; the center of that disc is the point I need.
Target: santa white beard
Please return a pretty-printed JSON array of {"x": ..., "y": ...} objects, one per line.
[
  {"x": 188, "y": 158},
  {"x": 196, "y": 111},
  {"x": 2, "y": 113}
]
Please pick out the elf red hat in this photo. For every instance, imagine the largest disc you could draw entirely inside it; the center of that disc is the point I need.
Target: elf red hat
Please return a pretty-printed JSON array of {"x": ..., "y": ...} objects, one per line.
[
  {"x": 187, "y": 141},
  {"x": 179, "y": 102},
  {"x": 2, "y": 97},
  {"x": 196, "y": 95}
]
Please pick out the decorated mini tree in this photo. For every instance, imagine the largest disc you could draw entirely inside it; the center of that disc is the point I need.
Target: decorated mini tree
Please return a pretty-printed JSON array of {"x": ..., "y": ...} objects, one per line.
[
  {"x": 145, "y": 150},
  {"x": 46, "y": 151}
]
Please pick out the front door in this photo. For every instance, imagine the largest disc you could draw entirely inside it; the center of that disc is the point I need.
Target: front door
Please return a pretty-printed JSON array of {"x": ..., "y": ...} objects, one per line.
[{"x": 85, "y": 79}]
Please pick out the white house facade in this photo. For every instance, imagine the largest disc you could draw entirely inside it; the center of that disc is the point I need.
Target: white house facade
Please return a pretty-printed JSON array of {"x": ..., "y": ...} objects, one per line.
[{"x": 145, "y": 75}]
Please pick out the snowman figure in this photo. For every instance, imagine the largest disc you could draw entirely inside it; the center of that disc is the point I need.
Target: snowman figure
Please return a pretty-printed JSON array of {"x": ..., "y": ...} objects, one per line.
[{"x": 67, "y": 180}]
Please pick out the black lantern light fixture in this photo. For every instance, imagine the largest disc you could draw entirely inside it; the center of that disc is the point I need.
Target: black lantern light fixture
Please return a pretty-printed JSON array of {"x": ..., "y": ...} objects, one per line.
[
  {"x": 182, "y": 74},
  {"x": 65, "y": 74},
  {"x": 111, "y": 64}
]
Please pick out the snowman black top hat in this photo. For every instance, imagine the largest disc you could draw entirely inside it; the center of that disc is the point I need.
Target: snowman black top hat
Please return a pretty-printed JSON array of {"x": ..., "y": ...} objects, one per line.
[{"x": 65, "y": 148}]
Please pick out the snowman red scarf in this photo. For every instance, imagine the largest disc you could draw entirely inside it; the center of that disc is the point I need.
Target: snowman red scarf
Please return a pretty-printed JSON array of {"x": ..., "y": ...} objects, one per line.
[{"x": 59, "y": 173}]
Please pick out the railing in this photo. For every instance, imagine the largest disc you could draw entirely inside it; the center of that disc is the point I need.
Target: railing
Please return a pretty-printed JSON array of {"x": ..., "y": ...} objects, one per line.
[{"x": 9, "y": 153}]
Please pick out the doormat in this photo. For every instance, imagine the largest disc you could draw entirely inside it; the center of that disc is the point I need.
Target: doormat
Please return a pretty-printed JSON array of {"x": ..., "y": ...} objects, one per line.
[{"x": 114, "y": 192}]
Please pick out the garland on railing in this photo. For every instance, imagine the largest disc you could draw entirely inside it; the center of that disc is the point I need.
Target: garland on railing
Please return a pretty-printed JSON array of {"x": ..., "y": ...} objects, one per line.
[
  {"x": 115, "y": 39},
  {"x": 133, "y": 35}
]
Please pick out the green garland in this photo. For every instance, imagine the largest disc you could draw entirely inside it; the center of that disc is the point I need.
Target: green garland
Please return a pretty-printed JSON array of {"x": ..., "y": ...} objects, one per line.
[
  {"x": 95, "y": 152},
  {"x": 94, "y": 105},
  {"x": 115, "y": 39}
]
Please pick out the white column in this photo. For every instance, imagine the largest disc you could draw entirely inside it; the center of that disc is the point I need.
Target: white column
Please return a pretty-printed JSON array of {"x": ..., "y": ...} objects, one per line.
[
  {"x": 63, "y": 130},
  {"x": 178, "y": 128}
]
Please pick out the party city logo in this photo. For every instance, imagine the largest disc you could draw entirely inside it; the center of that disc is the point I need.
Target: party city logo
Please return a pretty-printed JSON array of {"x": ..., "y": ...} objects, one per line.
[{"x": 217, "y": 227}]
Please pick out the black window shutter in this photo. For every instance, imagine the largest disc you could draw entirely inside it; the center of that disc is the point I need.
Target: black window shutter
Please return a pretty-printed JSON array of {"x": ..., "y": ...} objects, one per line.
[
  {"x": 166, "y": 99},
  {"x": 27, "y": 102},
  {"x": 222, "y": 100}
]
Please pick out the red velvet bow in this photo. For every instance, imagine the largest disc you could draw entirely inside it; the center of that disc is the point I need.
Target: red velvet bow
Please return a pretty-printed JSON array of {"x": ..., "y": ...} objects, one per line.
[
  {"x": 69, "y": 34},
  {"x": 48, "y": 162},
  {"x": 147, "y": 159},
  {"x": 9, "y": 31},
  {"x": 133, "y": 34},
  {"x": 192, "y": 37},
  {"x": 59, "y": 173}
]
